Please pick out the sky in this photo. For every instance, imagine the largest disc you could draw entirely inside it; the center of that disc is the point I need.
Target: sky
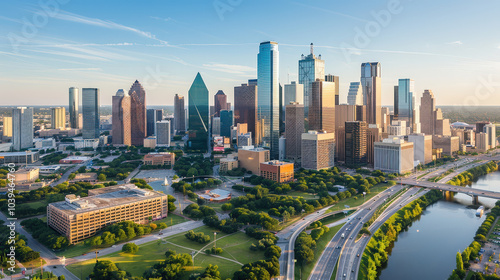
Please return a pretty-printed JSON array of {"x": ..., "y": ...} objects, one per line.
[{"x": 47, "y": 46}]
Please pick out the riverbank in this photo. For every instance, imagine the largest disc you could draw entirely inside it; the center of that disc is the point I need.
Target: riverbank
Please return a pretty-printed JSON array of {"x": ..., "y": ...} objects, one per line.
[
  {"x": 376, "y": 252},
  {"x": 473, "y": 174}
]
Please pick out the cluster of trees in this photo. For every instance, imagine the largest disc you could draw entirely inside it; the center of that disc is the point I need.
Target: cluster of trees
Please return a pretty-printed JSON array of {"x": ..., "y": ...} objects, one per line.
[
  {"x": 122, "y": 231},
  {"x": 44, "y": 234},
  {"x": 141, "y": 183},
  {"x": 246, "y": 216},
  {"x": 226, "y": 225},
  {"x": 193, "y": 166},
  {"x": 262, "y": 269},
  {"x": 130, "y": 248},
  {"x": 199, "y": 237},
  {"x": 265, "y": 238},
  {"x": 214, "y": 251},
  {"x": 210, "y": 273},
  {"x": 23, "y": 252},
  {"x": 173, "y": 267},
  {"x": 196, "y": 211},
  {"x": 472, "y": 252},
  {"x": 120, "y": 167},
  {"x": 472, "y": 174},
  {"x": 53, "y": 158},
  {"x": 377, "y": 249},
  {"x": 240, "y": 171},
  {"x": 184, "y": 187},
  {"x": 304, "y": 246}
]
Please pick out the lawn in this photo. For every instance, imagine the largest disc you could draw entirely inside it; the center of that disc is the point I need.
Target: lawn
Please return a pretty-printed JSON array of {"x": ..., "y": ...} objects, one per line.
[
  {"x": 356, "y": 201},
  {"x": 171, "y": 220},
  {"x": 302, "y": 194},
  {"x": 235, "y": 246},
  {"x": 334, "y": 218},
  {"x": 320, "y": 246}
]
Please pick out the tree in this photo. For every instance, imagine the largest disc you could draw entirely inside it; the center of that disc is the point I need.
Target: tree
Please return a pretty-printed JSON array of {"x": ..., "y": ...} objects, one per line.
[
  {"x": 107, "y": 270},
  {"x": 130, "y": 248},
  {"x": 460, "y": 263},
  {"x": 62, "y": 277},
  {"x": 101, "y": 177}
]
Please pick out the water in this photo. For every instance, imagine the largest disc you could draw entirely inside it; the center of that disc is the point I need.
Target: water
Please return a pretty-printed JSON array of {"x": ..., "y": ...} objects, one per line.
[{"x": 428, "y": 249}]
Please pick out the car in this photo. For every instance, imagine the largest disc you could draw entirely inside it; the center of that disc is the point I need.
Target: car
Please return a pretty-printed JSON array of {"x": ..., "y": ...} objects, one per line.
[
  {"x": 352, "y": 270},
  {"x": 350, "y": 237},
  {"x": 54, "y": 266},
  {"x": 114, "y": 246},
  {"x": 358, "y": 256},
  {"x": 345, "y": 275},
  {"x": 350, "y": 223},
  {"x": 370, "y": 208},
  {"x": 338, "y": 247}
]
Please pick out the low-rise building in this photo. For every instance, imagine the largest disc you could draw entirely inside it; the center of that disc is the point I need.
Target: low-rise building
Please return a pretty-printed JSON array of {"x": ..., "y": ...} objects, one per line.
[
  {"x": 251, "y": 158},
  {"x": 394, "y": 155},
  {"x": 164, "y": 158},
  {"x": 44, "y": 144},
  {"x": 26, "y": 176},
  {"x": 81, "y": 143},
  {"x": 80, "y": 218},
  {"x": 90, "y": 177},
  {"x": 49, "y": 169},
  {"x": 74, "y": 160},
  {"x": 216, "y": 195},
  {"x": 227, "y": 164},
  {"x": 278, "y": 171},
  {"x": 26, "y": 157},
  {"x": 150, "y": 142}
]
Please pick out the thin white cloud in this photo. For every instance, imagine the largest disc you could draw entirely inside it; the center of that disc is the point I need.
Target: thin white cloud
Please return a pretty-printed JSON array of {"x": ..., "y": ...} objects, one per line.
[
  {"x": 80, "y": 69},
  {"x": 228, "y": 68},
  {"x": 163, "y": 19},
  {"x": 67, "y": 16},
  {"x": 455, "y": 43}
]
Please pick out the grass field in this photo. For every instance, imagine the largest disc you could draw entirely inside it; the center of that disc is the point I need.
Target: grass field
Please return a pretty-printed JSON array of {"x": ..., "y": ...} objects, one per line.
[
  {"x": 357, "y": 201},
  {"x": 306, "y": 269},
  {"x": 302, "y": 194},
  {"x": 82, "y": 248},
  {"x": 235, "y": 246}
]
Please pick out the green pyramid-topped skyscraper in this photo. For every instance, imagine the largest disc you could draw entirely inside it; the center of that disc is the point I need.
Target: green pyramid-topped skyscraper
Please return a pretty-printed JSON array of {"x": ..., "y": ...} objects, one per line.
[{"x": 198, "y": 115}]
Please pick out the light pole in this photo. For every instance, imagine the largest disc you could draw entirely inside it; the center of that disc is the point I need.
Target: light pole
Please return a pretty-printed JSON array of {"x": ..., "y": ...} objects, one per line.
[{"x": 215, "y": 239}]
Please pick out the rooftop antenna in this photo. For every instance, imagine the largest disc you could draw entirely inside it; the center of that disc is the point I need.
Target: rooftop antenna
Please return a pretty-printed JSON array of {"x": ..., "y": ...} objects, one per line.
[{"x": 312, "y": 49}]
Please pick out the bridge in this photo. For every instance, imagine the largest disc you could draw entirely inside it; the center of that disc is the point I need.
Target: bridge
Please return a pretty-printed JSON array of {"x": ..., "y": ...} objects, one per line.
[{"x": 475, "y": 193}]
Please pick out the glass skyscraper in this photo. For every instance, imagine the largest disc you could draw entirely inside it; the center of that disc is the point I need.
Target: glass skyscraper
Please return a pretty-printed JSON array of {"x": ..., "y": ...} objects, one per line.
[
  {"x": 74, "y": 102},
  {"x": 138, "y": 113},
  {"x": 90, "y": 108},
  {"x": 198, "y": 114},
  {"x": 153, "y": 116},
  {"x": 268, "y": 96},
  {"x": 226, "y": 122},
  {"x": 22, "y": 128},
  {"x": 310, "y": 69},
  {"x": 372, "y": 91},
  {"x": 404, "y": 104}
]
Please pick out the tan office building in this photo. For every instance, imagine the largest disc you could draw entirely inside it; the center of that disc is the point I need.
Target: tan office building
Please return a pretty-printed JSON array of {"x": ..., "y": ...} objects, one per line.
[
  {"x": 80, "y": 218},
  {"x": 318, "y": 150},
  {"x": 449, "y": 144},
  {"x": 394, "y": 155},
  {"x": 227, "y": 164},
  {"x": 277, "y": 171},
  {"x": 250, "y": 159},
  {"x": 23, "y": 176},
  {"x": 159, "y": 159}
]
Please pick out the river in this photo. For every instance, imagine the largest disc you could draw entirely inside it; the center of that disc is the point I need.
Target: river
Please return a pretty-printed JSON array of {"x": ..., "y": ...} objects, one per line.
[{"x": 428, "y": 248}]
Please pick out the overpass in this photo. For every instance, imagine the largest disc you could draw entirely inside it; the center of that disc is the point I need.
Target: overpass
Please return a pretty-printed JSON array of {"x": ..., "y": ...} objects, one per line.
[{"x": 475, "y": 193}]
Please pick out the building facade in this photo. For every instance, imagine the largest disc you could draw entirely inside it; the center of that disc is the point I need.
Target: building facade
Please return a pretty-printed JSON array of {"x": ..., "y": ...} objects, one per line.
[
  {"x": 322, "y": 106},
  {"x": 250, "y": 159},
  {"x": 318, "y": 150},
  {"x": 74, "y": 104},
  {"x": 393, "y": 155},
  {"x": 179, "y": 113},
  {"x": 198, "y": 114},
  {"x": 152, "y": 117},
  {"x": 278, "y": 171},
  {"x": 311, "y": 68},
  {"x": 355, "y": 143},
  {"x": 220, "y": 103},
  {"x": 121, "y": 126},
  {"x": 422, "y": 147},
  {"x": 245, "y": 107},
  {"x": 355, "y": 94},
  {"x": 163, "y": 133},
  {"x": 138, "y": 113},
  {"x": 159, "y": 159},
  {"x": 294, "y": 127},
  {"x": 91, "y": 113},
  {"x": 58, "y": 118},
  {"x": 293, "y": 93},
  {"x": 226, "y": 122},
  {"x": 372, "y": 91},
  {"x": 22, "y": 128}
]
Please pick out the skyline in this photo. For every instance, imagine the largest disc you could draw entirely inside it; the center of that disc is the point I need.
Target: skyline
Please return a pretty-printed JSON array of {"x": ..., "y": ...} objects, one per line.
[{"x": 77, "y": 46}]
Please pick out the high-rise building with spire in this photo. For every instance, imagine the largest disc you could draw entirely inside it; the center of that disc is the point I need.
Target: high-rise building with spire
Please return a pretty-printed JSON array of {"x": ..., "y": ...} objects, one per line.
[
  {"x": 138, "y": 113},
  {"x": 121, "y": 126},
  {"x": 220, "y": 103},
  {"x": 198, "y": 114},
  {"x": 269, "y": 96},
  {"x": 311, "y": 68}
]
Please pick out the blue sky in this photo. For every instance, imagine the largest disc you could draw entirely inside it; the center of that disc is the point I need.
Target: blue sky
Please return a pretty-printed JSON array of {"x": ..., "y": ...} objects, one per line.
[{"x": 450, "y": 47}]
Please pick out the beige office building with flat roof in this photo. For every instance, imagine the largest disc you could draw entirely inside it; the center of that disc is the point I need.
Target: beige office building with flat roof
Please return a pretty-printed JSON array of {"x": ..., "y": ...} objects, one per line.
[
  {"x": 80, "y": 218},
  {"x": 318, "y": 150},
  {"x": 250, "y": 159}
]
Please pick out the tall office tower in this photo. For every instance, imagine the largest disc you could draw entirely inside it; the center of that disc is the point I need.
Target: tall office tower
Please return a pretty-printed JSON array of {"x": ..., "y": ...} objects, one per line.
[
  {"x": 152, "y": 117},
  {"x": 74, "y": 103},
  {"x": 334, "y": 79},
  {"x": 226, "y": 122},
  {"x": 396, "y": 102},
  {"x": 121, "y": 126},
  {"x": 220, "y": 103},
  {"x": 198, "y": 114},
  {"x": 179, "y": 113},
  {"x": 268, "y": 99},
  {"x": 386, "y": 118},
  {"x": 422, "y": 147},
  {"x": 322, "y": 106},
  {"x": 138, "y": 113},
  {"x": 373, "y": 134},
  {"x": 245, "y": 107},
  {"x": 293, "y": 93},
  {"x": 404, "y": 103},
  {"x": 282, "y": 113},
  {"x": 427, "y": 113},
  {"x": 355, "y": 94},
  {"x": 216, "y": 126},
  {"x": 7, "y": 127},
  {"x": 311, "y": 68},
  {"x": 490, "y": 130},
  {"x": 294, "y": 127},
  {"x": 228, "y": 106},
  {"x": 372, "y": 91},
  {"x": 91, "y": 113},
  {"x": 355, "y": 143},
  {"x": 348, "y": 113},
  {"x": 22, "y": 128},
  {"x": 58, "y": 118},
  {"x": 480, "y": 126},
  {"x": 318, "y": 150},
  {"x": 163, "y": 133}
]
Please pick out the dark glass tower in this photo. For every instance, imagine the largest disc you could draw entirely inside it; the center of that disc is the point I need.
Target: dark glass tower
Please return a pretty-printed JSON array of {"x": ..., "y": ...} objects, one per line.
[
  {"x": 90, "y": 112},
  {"x": 74, "y": 102},
  {"x": 198, "y": 114},
  {"x": 153, "y": 116},
  {"x": 138, "y": 113},
  {"x": 226, "y": 122},
  {"x": 220, "y": 103}
]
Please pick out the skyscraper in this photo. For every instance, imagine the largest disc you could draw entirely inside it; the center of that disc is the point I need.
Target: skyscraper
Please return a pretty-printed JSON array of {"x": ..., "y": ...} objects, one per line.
[
  {"x": 334, "y": 79},
  {"x": 322, "y": 106},
  {"x": 226, "y": 122},
  {"x": 138, "y": 113},
  {"x": 427, "y": 113},
  {"x": 245, "y": 108},
  {"x": 355, "y": 143},
  {"x": 294, "y": 127},
  {"x": 294, "y": 93},
  {"x": 91, "y": 113},
  {"x": 404, "y": 104},
  {"x": 311, "y": 68},
  {"x": 179, "y": 113},
  {"x": 198, "y": 114},
  {"x": 163, "y": 133},
  {"x": 58, "y": 118},
  {"x": 153, "y": 116},
  {"x": 220, "y": 103},
  {"x": 318, "y": 150},
  {"x": 355, "y": 95},
  {"x": 74, "y": 103},
  {"x": 268, "y": 96},
  {"x": 7, "y": 127},
  {"x": 372, "y": 91},
  {"x": 121, "y": 126},
  {"x": 22, "y": 128}
]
